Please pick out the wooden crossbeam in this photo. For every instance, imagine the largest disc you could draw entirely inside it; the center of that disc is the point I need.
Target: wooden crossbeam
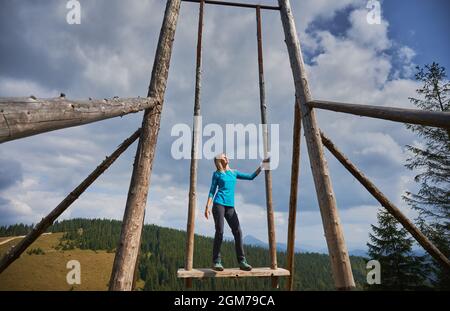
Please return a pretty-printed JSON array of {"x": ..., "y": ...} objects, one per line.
[
  {"x": 26, "y": 116},
  {"x": 413, "y": 116},
  {"x": 237, "y": 4},
  {"x": 231, "y": 273}
]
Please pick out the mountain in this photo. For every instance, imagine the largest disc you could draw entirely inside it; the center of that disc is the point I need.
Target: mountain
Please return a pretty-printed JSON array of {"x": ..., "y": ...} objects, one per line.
[{"x": 281, "y": 247}]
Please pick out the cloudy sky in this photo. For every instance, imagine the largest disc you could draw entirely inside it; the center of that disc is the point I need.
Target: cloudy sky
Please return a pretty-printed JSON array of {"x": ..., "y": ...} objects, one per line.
[{"x": 111, "y": 54}]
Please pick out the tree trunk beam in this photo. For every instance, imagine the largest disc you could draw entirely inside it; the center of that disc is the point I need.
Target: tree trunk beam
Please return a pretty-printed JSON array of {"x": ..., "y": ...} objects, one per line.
[
  {"x": 47, "y": 221},
  {"x": 133, "y": 219},
  {"x": 25, "y": 116},
  {"x": 384, "y": 201},
  {"x": 340, "y": 261},
  {"x": 413, "y": 116}
]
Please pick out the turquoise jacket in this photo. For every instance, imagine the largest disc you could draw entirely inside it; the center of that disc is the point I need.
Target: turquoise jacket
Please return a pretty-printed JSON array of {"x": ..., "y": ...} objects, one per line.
[{"x": 225, "y": 182}]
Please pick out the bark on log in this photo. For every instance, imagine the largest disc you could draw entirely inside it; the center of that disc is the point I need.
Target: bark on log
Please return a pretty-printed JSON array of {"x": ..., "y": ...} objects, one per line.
[
  {"x": 384, "y": 201},
  {"x": 295, "y": 172},
  {"x": 127, "y": 252},
  {"x": 47, "y": 221},
  {"x": 414, "y": 116},
  {"x": 340, "y": 262},
  {"x": 21, "y": 117}
]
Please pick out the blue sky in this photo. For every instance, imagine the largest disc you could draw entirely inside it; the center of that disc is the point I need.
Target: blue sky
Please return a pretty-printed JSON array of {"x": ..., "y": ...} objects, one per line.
[{"x": 111, "y": 53}]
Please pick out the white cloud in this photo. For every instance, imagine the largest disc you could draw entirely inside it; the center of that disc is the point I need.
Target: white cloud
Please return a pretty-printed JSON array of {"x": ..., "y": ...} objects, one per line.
[
  {"x": 368, "y": 35},
  {"x": 10, "y": 87}
]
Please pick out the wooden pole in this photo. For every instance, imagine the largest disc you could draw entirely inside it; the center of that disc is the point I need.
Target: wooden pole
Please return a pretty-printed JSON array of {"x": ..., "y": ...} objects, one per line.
[
  {"x": 21, "y": 117},
  {"x": 295, "y": 171},
  {"x": 340, "y": 261},
  {"x": 384, "y": 201},
  {"x": 414, "y": 116},
  {"x": 47, "y": 221},
  {"x": 267, "y": 173},
  {"x": 194, "y": 152},
  {"x": 127, "y": 251}
]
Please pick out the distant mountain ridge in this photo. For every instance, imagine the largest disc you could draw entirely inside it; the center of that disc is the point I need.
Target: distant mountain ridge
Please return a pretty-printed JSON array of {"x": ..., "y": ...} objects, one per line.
[{"x": 282, "y": 247}]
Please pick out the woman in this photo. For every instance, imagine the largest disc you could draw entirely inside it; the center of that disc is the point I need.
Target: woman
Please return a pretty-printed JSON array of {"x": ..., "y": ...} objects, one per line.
[{"x": 224, "y": 180}]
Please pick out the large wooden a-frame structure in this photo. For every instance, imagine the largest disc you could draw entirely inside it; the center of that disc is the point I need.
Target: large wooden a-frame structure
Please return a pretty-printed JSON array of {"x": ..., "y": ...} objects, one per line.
[{"x": 22, "y": 117}]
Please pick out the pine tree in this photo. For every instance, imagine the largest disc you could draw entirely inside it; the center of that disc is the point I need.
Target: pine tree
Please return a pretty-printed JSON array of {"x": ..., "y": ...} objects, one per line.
[
  {"x": 392, "y": 247},
  {"x": 431, "y": 161}
]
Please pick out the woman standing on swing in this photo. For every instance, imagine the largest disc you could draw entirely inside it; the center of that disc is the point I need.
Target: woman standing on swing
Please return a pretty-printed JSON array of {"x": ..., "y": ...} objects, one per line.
[{"x": 224, "y": 180}]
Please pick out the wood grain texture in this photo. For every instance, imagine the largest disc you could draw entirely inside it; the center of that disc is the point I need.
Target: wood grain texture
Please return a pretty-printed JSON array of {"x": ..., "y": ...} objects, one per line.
[
  {"x": 413, "y": 116},
  {"x": 231, "y": 273},
  {"x": 26, "y": 116},
  {"x": 340, "y": 261},
  {"x": 129, "y": 243}
]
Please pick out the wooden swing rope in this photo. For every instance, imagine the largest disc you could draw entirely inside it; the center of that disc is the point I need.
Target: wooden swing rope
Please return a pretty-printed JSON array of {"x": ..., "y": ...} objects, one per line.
[
  {"x": 267, "y": 173},
  {"x": 295, "y": 172},
  {"x": 384, "y": 201},
  {"x": 194, "y": 153},
  {"x": 47, "y": 221}
]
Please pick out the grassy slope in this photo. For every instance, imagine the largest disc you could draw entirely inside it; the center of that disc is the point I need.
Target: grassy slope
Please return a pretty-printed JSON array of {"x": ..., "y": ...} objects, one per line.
[{"x": 48, "y": 272}]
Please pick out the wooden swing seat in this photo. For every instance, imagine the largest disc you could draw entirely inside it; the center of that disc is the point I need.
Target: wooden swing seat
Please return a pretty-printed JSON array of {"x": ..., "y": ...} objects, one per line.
[{"x": 231, "y": 273}]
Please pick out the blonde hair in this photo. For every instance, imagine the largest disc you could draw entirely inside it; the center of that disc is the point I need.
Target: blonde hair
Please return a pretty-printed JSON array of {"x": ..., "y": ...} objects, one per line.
[{"x": 218, "y": 162}]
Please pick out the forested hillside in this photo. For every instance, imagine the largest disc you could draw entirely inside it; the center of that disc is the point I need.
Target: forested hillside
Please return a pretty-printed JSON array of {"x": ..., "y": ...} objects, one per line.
[{"x": 162, "y": 253}]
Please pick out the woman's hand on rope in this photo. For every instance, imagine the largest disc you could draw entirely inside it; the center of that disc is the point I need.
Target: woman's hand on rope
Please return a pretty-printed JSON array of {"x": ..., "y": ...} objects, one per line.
[{"x": 265, "y": 164}]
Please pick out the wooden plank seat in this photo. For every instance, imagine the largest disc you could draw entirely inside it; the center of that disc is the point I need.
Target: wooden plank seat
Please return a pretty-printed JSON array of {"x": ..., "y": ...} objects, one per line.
[{"x": 231, "y": 273}]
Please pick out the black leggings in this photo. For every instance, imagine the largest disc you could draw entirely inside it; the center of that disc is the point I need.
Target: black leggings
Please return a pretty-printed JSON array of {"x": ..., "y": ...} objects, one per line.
[{"x": 229, "y": 213}]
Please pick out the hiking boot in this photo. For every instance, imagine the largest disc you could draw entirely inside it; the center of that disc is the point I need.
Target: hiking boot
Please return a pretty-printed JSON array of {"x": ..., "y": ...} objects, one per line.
[
  {"x": 243, "y": 265},
  {"x": 218, "y": 266}
]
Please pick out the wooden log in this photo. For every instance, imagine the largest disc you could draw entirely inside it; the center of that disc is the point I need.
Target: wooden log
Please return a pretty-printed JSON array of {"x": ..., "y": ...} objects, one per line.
[
  {"x": 414, "y": 116},
  {"x": 21, "y": 117},
  {"x": 194, "y": 152},
  {"x": 384, "y": 201},
  {"x": 295, "y": 171},
  {"x": 127, "y": 251},
  {"x": 267, "y": 173},
  {"x": 231, "y": 273},
  {"x": 47, "y": 221},
  {"x": 340, "y": 262}
]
